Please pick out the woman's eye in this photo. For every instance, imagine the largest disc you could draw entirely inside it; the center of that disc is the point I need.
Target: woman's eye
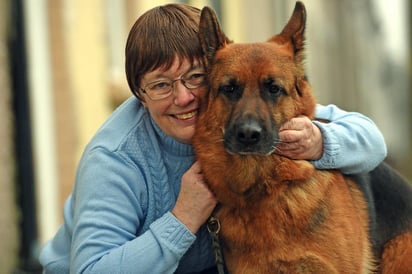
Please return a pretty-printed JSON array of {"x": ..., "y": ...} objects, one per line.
[
  {"x": 197, "y": 76},
  {"x": 160, "y": 85}
]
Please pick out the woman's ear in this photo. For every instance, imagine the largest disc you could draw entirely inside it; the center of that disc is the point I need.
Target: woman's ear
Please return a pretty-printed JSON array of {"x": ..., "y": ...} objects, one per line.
[{"x": 139, "y": 97}]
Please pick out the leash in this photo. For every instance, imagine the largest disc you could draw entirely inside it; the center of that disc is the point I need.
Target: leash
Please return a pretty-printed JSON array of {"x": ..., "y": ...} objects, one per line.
[{"x": 213, "y": 226}]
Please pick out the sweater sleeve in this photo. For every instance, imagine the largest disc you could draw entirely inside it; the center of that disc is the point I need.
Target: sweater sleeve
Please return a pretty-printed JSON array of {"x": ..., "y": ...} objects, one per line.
[
  {"x": 109, "y": 207},
  {"x": 352, "y": 142}
]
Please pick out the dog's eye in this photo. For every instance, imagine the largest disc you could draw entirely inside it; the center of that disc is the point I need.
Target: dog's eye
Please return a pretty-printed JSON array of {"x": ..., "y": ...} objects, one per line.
[
  {"x": 273, "y": 88},
  {"x": 231, "y": 90},
  {"x": 227, "y": 88}
]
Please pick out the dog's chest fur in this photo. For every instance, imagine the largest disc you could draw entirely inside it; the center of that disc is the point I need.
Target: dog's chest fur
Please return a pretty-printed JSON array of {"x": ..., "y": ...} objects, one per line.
[{"x": 288, "y": 220}]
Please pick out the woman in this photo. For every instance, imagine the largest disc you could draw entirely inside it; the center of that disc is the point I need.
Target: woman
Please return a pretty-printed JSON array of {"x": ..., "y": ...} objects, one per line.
[{"x": 139, "y": 201}]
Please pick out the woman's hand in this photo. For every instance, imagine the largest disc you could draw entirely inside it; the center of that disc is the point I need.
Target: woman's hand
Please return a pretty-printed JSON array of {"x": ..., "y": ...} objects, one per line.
[
  {"x": 195, "y": 202},
  {"x": 300, "y": 139}
]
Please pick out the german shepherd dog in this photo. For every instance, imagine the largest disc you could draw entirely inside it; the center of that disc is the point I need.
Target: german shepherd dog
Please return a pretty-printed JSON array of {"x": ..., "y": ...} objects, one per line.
[{"x": 279, "y": 215}]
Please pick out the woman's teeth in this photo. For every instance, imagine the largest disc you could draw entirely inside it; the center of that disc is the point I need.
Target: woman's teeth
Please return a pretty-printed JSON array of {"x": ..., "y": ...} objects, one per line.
[{"x": 185, "y": 116}]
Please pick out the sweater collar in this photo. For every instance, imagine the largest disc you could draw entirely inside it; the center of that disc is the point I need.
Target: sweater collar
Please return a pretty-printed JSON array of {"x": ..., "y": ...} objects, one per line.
[{"x": 170, "y": 144}]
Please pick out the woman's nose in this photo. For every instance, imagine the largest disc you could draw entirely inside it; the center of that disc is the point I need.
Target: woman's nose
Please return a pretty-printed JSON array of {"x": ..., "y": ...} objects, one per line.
[{"x": 182, "y": 95}]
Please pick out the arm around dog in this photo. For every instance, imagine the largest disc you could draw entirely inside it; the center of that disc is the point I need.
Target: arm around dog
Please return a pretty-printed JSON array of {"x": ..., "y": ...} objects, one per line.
[
  {"x": 349, "y": 141},
  {"x": 352, "y": 142}
]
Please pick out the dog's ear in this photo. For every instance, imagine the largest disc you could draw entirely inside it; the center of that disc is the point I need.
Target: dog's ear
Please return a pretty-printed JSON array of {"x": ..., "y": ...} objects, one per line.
[
  {"x": 211, "y": 35},
  {"x": 294, "y": 32}
]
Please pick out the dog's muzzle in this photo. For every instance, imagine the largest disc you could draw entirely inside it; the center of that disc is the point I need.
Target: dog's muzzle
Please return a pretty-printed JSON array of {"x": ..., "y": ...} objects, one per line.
[{"x": 249, "y": 136}]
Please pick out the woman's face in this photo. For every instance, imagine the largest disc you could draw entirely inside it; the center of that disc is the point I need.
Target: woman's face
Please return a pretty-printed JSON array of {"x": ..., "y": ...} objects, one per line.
[{"x": 177, "y": 114}]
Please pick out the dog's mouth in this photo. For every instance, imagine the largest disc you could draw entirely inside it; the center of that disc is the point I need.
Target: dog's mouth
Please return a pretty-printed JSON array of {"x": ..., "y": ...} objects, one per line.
[
  {"x": 249, "y": 152},
  {"x": 245, "y": 152}
]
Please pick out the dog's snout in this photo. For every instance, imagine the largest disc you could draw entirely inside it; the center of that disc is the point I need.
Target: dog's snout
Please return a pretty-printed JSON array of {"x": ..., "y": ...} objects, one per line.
[
  {"x": 249, "y": 132},
  {"x": 249, "y": 135}
]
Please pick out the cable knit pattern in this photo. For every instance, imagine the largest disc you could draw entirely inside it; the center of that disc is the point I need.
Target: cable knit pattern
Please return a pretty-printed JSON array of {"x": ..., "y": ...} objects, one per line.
[{"x": 118, "y": 219}]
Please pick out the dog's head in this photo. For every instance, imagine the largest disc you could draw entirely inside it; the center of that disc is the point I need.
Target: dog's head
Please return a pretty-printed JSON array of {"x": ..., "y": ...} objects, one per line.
[{"x": 254, "y": 88}]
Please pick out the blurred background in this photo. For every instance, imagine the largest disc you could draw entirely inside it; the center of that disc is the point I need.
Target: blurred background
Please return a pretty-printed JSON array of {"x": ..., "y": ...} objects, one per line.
[{"x": 62, "y": 74}]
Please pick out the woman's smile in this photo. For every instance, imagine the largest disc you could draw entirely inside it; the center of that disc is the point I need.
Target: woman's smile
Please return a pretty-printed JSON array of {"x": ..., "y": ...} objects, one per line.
[{"x": 187, "y": 115}]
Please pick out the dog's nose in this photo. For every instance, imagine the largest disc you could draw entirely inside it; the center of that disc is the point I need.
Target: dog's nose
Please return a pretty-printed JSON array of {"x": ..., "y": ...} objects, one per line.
[{"x": 249, "y": 132}]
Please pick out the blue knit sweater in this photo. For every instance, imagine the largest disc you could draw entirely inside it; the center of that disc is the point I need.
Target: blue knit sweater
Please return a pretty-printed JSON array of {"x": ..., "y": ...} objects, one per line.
[{"x": 118, "y": 218}]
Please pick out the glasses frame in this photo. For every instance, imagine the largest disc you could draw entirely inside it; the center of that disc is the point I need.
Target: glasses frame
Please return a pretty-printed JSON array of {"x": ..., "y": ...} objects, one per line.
[{"x": 171, "y": 82}]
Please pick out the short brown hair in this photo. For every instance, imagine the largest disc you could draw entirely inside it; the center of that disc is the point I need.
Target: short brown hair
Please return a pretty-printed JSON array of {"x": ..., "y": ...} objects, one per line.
[{"x": 158, "y": 37}]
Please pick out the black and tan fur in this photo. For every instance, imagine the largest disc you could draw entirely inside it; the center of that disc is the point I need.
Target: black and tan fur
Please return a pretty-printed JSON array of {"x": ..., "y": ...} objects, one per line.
[{"x": 280, "y": 215}]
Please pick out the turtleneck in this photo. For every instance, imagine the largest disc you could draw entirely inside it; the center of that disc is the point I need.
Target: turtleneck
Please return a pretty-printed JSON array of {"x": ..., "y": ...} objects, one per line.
[{"x": 169, "y": 144}]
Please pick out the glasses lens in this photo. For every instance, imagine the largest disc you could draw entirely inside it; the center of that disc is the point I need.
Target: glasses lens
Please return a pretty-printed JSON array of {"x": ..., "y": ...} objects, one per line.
[
  {"x": 159, "y": 89},
  {"x": 194, "y": 79}
]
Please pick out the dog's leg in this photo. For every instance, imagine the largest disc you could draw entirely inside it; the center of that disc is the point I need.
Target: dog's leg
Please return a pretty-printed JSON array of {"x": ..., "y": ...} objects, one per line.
[{"x": 397, "y": 255}]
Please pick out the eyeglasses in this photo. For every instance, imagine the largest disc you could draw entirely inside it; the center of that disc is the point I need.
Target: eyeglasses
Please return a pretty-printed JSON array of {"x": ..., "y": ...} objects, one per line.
[{"x": 162, "y": 89}]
